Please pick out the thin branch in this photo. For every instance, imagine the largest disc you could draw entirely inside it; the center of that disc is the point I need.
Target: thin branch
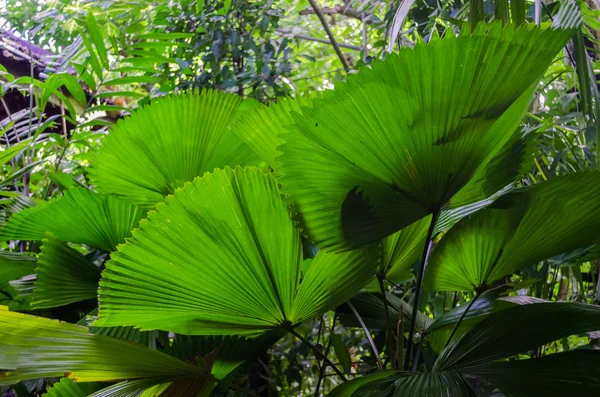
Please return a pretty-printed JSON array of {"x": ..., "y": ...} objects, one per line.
[
  {"x": 316, "y": 39},
  {"x": 323, "y": 365},
  {"x": 364, "y": 327},
  {"x": 388, "y": 332},
  {"x": 337, "y": 10},
  {"x": 400, "y": 335},
  {"x": 318, "y": 353},
  {"x": 334, "y": 43},
  {"x": 424, "y": 257},
  {"x": 462, "y": 316}
]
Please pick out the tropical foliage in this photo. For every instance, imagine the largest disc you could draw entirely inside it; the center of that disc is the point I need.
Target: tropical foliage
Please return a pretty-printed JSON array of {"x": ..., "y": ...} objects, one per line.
[{"x": 181, "y": 219}]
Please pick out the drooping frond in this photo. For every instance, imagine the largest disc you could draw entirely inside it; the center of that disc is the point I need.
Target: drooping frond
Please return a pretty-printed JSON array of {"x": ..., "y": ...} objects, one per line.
[{"x": 80, "y": 216}]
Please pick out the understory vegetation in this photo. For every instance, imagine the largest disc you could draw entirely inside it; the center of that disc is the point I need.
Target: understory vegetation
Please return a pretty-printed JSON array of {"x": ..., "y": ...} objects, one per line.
[{"x": 287, "y": 198}]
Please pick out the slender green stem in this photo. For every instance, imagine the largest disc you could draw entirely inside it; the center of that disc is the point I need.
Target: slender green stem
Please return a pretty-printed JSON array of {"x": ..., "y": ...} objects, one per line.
[
  {"x": 318, "y": 353},
  {"x": 400, "y": 336},
  {"x": 364, "y": 327},
  {"x": 424, "y": 257},
  {"x": 462, "y": 316},
  {"x": 323, "y": 365},
  {"x": 388, "y": 331}
]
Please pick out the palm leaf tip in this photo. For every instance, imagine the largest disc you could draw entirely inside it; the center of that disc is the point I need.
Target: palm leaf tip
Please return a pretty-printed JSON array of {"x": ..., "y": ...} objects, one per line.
[
  {"x": 238, "y": 234},
  {"x": 142, "y": 163},
  {"x": 399, "y": 140}
]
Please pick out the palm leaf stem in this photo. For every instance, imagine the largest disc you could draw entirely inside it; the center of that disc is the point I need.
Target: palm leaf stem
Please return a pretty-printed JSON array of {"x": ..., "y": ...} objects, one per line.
[
  {"x": 461, "y": 318},
  {"x": 388, "y": 333},
  {"x": 367, "y": 333},
  {"x": 323, "y": 366},
  {"x": 318, "y": 353},
  {"x": 424, "y": 257}
]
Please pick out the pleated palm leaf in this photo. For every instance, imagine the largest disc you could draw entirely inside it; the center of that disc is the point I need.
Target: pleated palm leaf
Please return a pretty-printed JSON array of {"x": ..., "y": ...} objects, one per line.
[
  {"x": 13, "y": 266},
  {"x": 482, "y": 352},
  {"x": 424, "y": 130},
  {"x": 35, "y": 347},
  {"x": 222, "y": 256},
  {"x": 63, "y": 275},
  {"x": 169, "y": 142},
  {"x": 518, "y": 230},
  {"x": 80, "y": 216}
]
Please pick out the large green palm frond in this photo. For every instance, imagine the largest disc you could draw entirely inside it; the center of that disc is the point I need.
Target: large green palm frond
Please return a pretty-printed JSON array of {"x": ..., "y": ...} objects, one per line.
[
  {"x": 399, "y": 140},
  {"x": 227, "y": 229},
  {"x": 80, "y": 216},
  {"x": 35, "y": 347},
  {"x": 167, "y": 143},
  {"x": 518, "y": 230},
  {"x": 64, "y": 275}
]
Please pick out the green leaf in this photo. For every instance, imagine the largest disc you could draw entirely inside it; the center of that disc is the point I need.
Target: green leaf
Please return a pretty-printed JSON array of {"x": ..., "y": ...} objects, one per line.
[
  {"x": 35, "y": 347},
  {"x": 67, "y": 388},
  {"x": 93, "y": 61},
  {"x": 516, "y": 232},
  {"x": 80, "y": 216},
  {"x": 371, "y": 309},
  {"x": 402, "y": 249},
  {"x": 10, "y": 152},
  {"x": 485, "y": 304},
  {"x": 98, "y": 40},
  {"x": 399, "y": 140},
  {"x": 226, "y": 229},
  {"x": 348, "y": 389},
  {"x": 406, "y": 384},
  {"x": 61, "y": 179},
  {"x": 64, "y": 275},
  {"x": 342, "y": 353},
  {"x": 167, "y": 143},
  {"x": 74, "y": 88},
  {"x": 260, "y": 129},
  {"x": 13, "y": 266},
  {"x": 21, "y": 172},
  {"x": 521, "y": 325},
  {"x": 572, "y": 373}
]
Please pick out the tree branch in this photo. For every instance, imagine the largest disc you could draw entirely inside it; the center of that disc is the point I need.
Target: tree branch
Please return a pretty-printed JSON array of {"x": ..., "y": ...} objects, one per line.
[
  {"x": 334, "y": 43},
  {"x": 309, "y": 38}
]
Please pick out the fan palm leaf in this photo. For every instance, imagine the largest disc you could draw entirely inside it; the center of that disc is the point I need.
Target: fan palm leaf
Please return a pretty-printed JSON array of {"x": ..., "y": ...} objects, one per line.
[
  {"x": 80, "y": 216},
  {"x": 517, "y": 231},
  {"x": 170, "y": 142},
  {"x": 228, "y": 228},
  {"x": 402, "y": 139}
]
